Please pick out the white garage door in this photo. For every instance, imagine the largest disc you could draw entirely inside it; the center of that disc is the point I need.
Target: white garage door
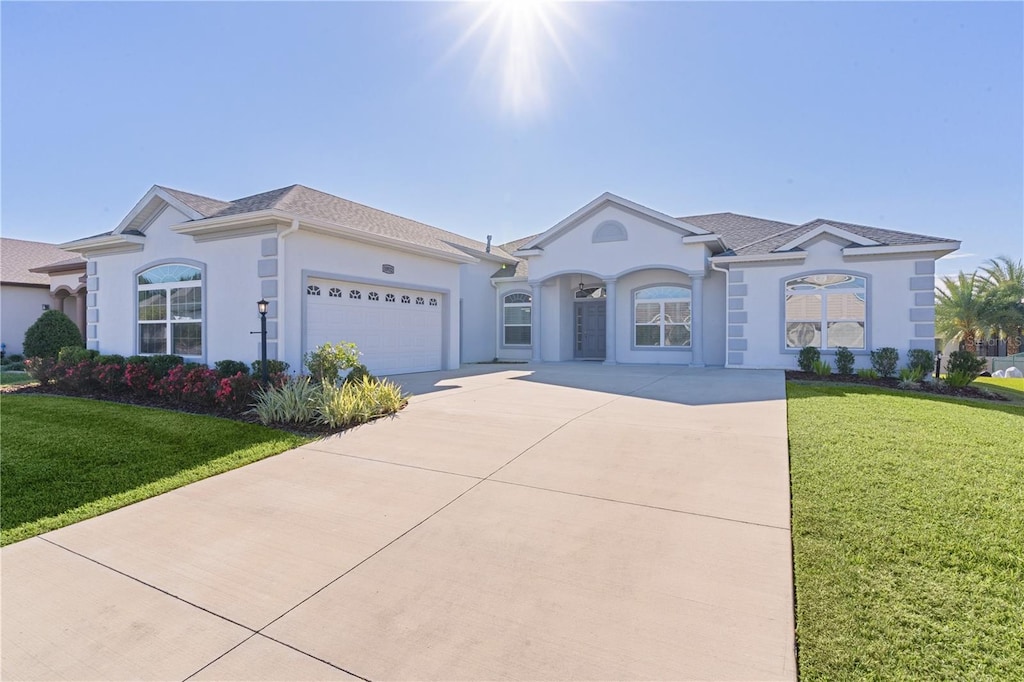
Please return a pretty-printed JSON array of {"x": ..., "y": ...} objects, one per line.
[{"x": 397, "y": 330}]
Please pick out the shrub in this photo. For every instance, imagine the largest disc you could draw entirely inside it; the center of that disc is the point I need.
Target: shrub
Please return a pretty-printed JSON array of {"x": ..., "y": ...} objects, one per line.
[
  {"x": 72, "y": 355},
  {"x": 15, "y": 357},
  {"x": 51, "y": 332},
  {"x": 273, "y": 367},
  {"x": 326, "y": 363},
  {"x": 911, "y": 375},
  {"x": 291, "y": 403},
  {"x": 236, "y": 392},
  {"x": 230, "y": 368},
  {"x": 14, "y": 367},
  {"x": 867, "y": 373},
  {"x": 110, "y": 376},
  {"x": 962, "y": 368},
  {"x": 43, "y": 369},
  {"x": 357, "y": 402},
  {"x": 885, "y": 360},
  {"x": 139, "y": 378},
  {"x": 160, "y": 365},
  {"x": 844, "y": 360},
  {"x": 189, "y": 383},
  {"x": 808, "y": 356},
  {"x": 137, "y": 360},
  {"x": 921, "y": 358},
  {"x": 111, "y": 359},
  {"x": 76, "y": 378},
  {"x": 821, "y": 368},
  {"x": 358, "y": 373}
]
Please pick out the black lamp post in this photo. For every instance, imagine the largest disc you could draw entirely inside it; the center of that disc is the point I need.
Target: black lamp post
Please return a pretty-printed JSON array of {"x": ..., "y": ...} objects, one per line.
[{"x": 262, "y": 306}]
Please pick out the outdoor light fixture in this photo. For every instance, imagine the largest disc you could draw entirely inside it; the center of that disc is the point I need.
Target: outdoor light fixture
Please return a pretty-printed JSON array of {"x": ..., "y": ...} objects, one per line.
[
  {"x": 582, "y": 286},
  {"x": 262, "y": 306}
]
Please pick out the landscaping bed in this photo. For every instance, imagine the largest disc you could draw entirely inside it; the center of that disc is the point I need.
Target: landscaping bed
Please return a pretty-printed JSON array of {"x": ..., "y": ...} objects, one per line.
[{"x": 933, "y": 387}]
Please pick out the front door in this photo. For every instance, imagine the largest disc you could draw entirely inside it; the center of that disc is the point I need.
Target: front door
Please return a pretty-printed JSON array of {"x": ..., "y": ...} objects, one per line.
[{"x": 590, "y": 322}]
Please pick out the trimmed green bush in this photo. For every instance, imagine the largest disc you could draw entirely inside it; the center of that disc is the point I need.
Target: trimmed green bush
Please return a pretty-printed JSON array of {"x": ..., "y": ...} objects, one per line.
[
  {"x": 808, "y": 356},
  {"x": 326, "y": 362},
  {"x": 844, "y": 360},
  {"x": 160, "y": 365},
  {"x": 51, "y": 332},
  {"x": 14, "y": 367},
  {"x": 358, "y": 373},
  {"x": 230, "y": 368},
  {"x": 16, "y": 357},
  {"x": 72, "y": 355},
  {"x": 111, "y": 359},
  {"x": 962, "y": 368},
  {"x": 921, "y": 358},
  {"x": 273, "y": 367},
  {"x": 885, "y": 361}
]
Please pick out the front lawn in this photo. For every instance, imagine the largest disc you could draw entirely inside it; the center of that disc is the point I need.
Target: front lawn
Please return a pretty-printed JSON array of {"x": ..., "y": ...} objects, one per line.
[
  {"x": 908, "y": 535},
  {"x": 1011, "y": 389},
  {"x": 69, "y": 459},
  {"x": 14, "y": 378}
]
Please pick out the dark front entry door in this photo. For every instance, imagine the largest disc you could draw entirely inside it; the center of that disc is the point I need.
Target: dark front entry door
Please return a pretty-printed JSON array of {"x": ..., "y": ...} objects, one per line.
[{"x": 590, "y": 323}]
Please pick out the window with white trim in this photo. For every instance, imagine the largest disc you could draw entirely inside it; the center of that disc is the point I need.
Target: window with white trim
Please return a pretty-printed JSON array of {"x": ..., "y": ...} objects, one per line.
[
  {"x": 517, "y": 319},
  {"x": 661, "y": 317},
  {"x": 826, "y": 311},
  {"x": 170, "y": 310}
]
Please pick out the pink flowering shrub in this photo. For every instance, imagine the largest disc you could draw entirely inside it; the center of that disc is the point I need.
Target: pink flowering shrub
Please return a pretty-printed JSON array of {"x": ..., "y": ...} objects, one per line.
[
  {"x": 77, "y": 377},
  {"x": 43, "y": 370},
  {"x": 110, "y": 377},
  {"x": 235, "y": 393},
  {"x": 139, "y": 379},
  {"x": 189, "y": 384}
]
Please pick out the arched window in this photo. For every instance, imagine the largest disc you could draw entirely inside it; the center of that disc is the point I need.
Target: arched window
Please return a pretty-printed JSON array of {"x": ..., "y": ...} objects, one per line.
[
  {"x": 170, "y": 310},
  {"x": 661, "y": 317},
  {"x": 517, "y": 319},
  {"x": 826, "y": 310}
]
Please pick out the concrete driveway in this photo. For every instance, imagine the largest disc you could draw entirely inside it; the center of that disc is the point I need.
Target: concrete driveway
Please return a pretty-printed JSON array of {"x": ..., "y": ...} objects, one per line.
[{"x": 558, "y": 521}]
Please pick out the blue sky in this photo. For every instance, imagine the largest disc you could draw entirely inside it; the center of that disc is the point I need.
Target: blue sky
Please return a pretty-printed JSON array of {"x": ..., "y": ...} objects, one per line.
[{"x": 900, "y": 115}]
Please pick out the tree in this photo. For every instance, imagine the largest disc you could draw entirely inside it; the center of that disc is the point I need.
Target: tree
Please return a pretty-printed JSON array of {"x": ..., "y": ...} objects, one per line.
[
  {"x": 1003, "y": 287},
  {"x": 51, "y": 332},
  {"x": 961, "y": 311}
]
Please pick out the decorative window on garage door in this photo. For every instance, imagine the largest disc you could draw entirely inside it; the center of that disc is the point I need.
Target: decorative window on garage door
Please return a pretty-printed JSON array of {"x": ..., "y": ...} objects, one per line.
[
  {"x": 826, "y": 311},
  {"x": 170, "y": 310}
]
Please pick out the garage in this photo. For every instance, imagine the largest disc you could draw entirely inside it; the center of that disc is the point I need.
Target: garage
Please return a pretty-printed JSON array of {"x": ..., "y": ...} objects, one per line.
[{"x": 397, "y": 330}]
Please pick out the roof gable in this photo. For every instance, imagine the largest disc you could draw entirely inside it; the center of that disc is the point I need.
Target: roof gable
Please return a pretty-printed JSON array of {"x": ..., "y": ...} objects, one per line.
[{"x": 603, "y": 201}]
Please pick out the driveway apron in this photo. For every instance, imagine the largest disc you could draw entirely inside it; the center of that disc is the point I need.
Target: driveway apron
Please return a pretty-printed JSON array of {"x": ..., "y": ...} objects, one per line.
[{"x": 554, "y": 521}]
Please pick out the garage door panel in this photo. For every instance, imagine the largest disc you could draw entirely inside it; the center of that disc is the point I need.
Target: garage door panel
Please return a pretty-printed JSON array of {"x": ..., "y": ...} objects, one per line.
[{"x": 396, "y": 329}]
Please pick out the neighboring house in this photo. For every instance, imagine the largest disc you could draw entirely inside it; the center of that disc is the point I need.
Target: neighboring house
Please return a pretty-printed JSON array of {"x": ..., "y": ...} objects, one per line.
[
  {"x": 35, "y": 276},
  {"x": 614, "y": 281}
]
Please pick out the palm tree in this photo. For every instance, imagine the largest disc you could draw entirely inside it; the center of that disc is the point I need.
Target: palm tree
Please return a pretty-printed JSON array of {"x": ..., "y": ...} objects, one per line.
[
  {"x": 1003, "y": 286},
  {"x": 961, "y": 310}
]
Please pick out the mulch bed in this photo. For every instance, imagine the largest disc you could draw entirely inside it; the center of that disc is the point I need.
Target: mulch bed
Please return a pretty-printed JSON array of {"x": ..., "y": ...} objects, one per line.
[
  {"x": 933, "y": 387},
  {"x": 309, "y": 431}
]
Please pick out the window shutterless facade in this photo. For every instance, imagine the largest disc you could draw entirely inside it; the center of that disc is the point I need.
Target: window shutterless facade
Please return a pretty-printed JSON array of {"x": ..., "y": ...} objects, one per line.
[
  {"x": 661, "y": 317},
  {"x": 517, "y": 319},
  {"x": 170, "y": 310},
  {"x": 826, "y": 310}
]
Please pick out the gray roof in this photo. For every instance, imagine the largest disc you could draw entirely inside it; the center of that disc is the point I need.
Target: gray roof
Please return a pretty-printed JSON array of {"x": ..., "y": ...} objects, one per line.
[
  {"x": 18, "y": 257},
  {"x": 522, "y": 267},
  {"x": 316, "y": 205},
  {"x": 745, "y": 235}
]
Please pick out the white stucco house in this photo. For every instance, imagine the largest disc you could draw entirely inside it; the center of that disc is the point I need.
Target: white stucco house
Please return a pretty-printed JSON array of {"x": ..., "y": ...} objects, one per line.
[
  {"x": 35, "y": 277},
  {"x": 615, "y": 281}
]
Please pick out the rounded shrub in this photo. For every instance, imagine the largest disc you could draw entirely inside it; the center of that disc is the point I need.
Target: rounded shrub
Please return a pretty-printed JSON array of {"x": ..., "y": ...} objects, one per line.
[
  {"x": 51, "y": 332},
  {"x": 844, "y": 360},
  {"x": 808, "y": 356},
  {"x": 885, "y": 360},
  {"x": 229, "y": 368}
]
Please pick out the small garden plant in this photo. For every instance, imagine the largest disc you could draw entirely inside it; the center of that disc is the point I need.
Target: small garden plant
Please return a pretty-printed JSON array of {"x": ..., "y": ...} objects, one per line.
[
  {"x": 962, "y": 368},
  {"x": 844, "y": 360},
  {"x": 50, "y": 333},
  {"x": 885, "y": 360},
  {"x": 922, "y": 359},
  {"x": 822, "y": 368},
  {"x": 808, "y": 356}
]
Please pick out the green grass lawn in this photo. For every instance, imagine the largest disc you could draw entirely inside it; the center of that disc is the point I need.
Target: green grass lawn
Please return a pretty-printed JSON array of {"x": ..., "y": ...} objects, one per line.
[
  {"x": 12, "y": 378},
  {"x": 1009, "y": 388},
  {"x": 908, "y": 534},
  {"x": 68, "y": 459}
]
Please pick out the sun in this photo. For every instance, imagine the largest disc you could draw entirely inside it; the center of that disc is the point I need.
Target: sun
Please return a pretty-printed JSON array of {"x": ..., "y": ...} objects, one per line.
[{"x": 521, "y": 39}]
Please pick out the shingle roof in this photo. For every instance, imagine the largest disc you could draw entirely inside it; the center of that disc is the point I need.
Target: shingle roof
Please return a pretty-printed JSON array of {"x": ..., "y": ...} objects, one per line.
[
  {"x": 737, "y": 230},
  {"x": 522, "y": 267},
  {"x": 316, "y": 205},
  {"x": 18, "y": 256}
]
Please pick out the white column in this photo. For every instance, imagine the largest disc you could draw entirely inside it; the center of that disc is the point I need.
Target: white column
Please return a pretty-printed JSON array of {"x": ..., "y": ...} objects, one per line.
[
  {"x": 697, "y": 320},
  {"x": 609, "y": 322},
  {"x": 535, "y": 319}
]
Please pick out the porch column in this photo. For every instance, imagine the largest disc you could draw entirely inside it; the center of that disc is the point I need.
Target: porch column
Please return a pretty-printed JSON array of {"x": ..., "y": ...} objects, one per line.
[
  {"x": 609, "y": 322},
  {"x": 697, "y": 321},
  {"x": 535, "y": 320},
  {"x": 80, "y": 311}
]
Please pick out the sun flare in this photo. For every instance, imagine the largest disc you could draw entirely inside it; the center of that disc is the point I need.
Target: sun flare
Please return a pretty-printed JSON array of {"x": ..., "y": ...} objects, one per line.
[{"x": 522, "y": 37}]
